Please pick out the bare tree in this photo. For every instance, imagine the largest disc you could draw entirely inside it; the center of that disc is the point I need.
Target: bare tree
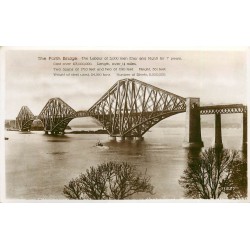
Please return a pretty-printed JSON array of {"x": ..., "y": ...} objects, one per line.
[
  {"x": 236, "y": 186},
  {"x": 213, "y": 173},
  {"x": 110, "y": 180}
]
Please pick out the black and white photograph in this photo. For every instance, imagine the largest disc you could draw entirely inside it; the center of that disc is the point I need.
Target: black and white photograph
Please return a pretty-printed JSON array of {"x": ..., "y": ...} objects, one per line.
[{"x": 125, "y": 125}]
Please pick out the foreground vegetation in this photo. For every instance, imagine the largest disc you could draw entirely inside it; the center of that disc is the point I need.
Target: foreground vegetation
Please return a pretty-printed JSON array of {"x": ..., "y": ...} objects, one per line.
[
  {"x": 214, "y": 173},
  {"x": 110, "y": 180}
]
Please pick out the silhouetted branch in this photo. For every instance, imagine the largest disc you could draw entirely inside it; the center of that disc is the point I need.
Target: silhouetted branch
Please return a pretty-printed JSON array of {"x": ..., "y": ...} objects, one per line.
[
  {"x": 110, "y": 180},
  {"x": 213, "y": 173}
]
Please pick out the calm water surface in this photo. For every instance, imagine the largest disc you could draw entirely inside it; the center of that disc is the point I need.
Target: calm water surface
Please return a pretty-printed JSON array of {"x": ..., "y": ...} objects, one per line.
[{"x": 38, "y": 166}]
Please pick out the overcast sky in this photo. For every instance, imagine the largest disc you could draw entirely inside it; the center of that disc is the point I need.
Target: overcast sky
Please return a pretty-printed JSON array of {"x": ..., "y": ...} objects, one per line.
[{"x": 214, "y": 76}]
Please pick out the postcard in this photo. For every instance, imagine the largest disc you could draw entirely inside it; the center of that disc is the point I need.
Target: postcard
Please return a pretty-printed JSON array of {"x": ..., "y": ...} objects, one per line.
[{"x": 143, "y": 125}]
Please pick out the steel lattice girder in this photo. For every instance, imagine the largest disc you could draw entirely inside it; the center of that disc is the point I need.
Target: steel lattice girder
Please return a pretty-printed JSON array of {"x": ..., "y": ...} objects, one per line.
[
  {"x": 223, "y": 109},
  {"x": 56, "y": 115},
  {"x": 25, "y": 118},
  {"x": 131, "y": 107},
  {"x": 82, "y": 113}
]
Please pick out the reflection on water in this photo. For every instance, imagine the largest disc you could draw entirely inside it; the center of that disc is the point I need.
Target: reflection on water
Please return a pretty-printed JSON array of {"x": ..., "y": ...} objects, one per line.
[
  {"x": 38, "y": 166},
  {"x": 57, "y": 153},
  {"x": 193, "y": 153}
]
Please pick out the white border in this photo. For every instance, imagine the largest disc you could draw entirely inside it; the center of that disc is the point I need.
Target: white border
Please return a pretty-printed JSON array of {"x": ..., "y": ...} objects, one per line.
[
  {"x": 2, "y": 170},
  {"x": 125, "y": 226},
  {"x": 2, "y": 122}
]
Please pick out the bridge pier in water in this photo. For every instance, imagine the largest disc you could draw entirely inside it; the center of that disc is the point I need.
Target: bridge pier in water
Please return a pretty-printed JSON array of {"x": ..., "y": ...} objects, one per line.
[
  {"x": 131, "y": 107},
  {"x": 47, "y": 132},
  {"x": 120, "y": 138},
  {"x": 112, "y": 138},
  {"x": 139, "y": 138},
  {"x": 126, "y": 138},
  {"x": 218, "y": 138},
  {"x": 193, "y": 124},
  {"x": 244, "y": 131}
]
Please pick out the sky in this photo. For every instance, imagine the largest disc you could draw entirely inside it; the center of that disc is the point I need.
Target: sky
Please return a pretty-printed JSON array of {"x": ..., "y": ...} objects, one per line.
[{"x": 217, "y": 77}]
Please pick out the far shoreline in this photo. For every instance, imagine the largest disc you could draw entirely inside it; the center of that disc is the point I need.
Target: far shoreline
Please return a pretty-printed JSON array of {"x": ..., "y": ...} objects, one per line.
[{"x": 99, "y": 131}]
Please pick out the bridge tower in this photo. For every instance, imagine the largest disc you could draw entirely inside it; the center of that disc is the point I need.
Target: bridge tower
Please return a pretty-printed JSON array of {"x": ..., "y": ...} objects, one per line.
[
  {"x": 131, "y": 107},
  {"x": 193, "y": 124},
  {"x": 24, "y": 119},
  {"x": 56, "y": 115}
]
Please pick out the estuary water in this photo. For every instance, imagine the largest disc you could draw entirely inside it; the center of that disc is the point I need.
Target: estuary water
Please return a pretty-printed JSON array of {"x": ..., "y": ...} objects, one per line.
[{"x": 38, "y": 165}]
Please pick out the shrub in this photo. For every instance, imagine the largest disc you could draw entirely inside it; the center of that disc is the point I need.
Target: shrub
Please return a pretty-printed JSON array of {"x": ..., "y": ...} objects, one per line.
[{"x": 110, "y": 180}]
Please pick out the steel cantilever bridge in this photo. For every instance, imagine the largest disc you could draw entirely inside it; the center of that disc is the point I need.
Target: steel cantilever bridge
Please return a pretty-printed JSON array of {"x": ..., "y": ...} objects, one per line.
[{"x": 128, "y": 109}]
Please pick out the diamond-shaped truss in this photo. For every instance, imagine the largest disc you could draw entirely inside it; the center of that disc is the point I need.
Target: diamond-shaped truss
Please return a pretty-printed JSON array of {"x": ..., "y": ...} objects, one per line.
[
  {"x": 223, "y": 109},
  {"x": 129, "y": 108},
  {"x": 24, "y": 119},
  {"x": 56, "y": 115},
  {"x": 132, "y": 107}
]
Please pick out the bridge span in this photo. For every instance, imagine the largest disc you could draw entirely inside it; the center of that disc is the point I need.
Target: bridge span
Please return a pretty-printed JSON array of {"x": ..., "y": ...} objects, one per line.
[{"x": 130, "y": 108}]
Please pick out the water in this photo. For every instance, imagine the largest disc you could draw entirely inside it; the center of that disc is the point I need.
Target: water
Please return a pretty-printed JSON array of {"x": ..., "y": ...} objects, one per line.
[{"x": 38, "y": 166}]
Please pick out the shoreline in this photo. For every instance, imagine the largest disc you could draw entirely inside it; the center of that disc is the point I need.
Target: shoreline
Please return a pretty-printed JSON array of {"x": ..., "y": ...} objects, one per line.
[{"x": 99, "y": 131}]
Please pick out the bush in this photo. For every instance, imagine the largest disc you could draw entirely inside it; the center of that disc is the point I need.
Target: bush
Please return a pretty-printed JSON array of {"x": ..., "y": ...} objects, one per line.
[{"x": 110, "y": 180}]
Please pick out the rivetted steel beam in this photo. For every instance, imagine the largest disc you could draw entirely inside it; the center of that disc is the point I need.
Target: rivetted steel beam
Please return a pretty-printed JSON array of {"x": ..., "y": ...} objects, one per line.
[
  {"x": 222, "y": 109},
  {"x": 130, "y": 107}
]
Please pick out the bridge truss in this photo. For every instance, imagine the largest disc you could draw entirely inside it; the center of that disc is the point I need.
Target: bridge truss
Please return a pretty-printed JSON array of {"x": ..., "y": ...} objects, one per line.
[
  {"x": 128, "y": 109},
  {"x": 223, "y": 109},
  {"x": 56, "y": 115},
  {"x": 131, "y": 107},
  {"x": 24, "y": 119}
]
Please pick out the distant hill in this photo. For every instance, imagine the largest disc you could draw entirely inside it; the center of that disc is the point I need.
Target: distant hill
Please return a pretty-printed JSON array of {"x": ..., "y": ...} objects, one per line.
[
  {"x": 37, "y": 125},
  {"x": 10, "y": 124}
]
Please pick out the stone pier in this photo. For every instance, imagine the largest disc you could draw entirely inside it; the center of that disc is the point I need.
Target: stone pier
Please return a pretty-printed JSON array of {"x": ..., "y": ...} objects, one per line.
[
  {"x": 244, "y": 131},
  {"x": 120, "y": 138},
  {"x": 218, "y": 138},
  {"x": 193, "y": 124},
  {"x": 128, "y": 138},
  {"x": 138, "y": 138}
]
